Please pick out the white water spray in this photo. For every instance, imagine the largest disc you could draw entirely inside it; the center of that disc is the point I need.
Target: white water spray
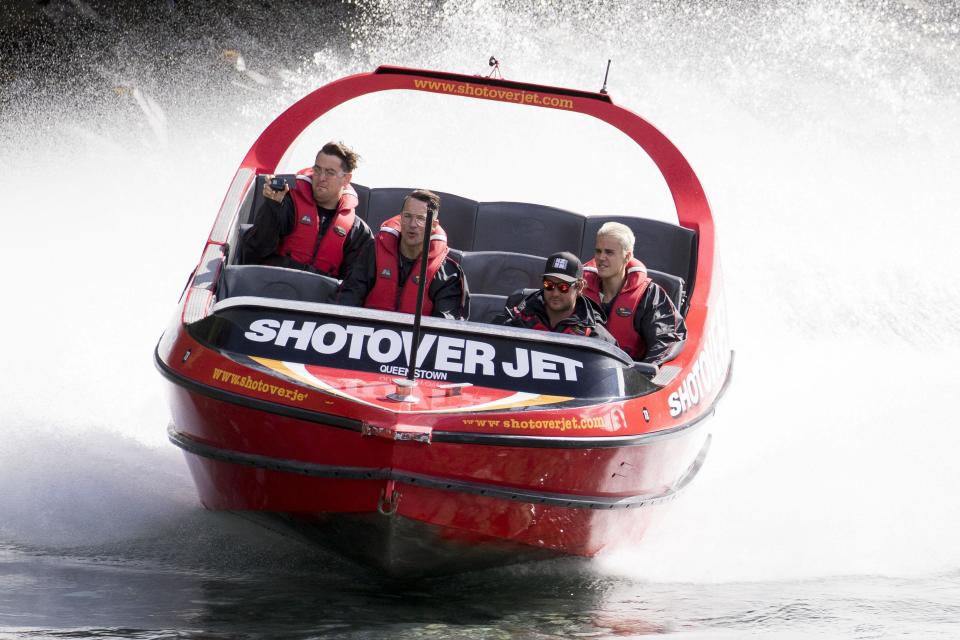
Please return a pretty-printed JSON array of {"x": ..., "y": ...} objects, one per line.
[{"x": 825, "y": 140}]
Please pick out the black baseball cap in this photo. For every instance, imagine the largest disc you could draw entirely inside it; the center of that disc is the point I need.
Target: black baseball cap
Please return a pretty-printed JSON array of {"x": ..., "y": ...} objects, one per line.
[{"x": 564, "y": 266}]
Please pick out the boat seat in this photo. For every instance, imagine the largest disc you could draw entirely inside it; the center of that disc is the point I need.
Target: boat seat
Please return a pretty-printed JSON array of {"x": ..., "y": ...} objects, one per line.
[
  {"x": 275, "y": 282},
  {"x": 526, "y": 228},
  {"x": 518, "y": 295},
  {"x": 251, "y": 200},
  {"x": 363, "y": 200},
  {"x": 500, "y": 272},
  {"x": 457, "y": 214},
  {"x": 672, "y": 284},
  {"x": 485, "y": 233},
  {"x": 484, "y": 307}
]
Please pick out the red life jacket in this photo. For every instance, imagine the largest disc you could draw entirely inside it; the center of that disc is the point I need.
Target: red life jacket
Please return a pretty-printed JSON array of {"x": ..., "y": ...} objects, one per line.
[
  {"x": 301, "y": 244},
  {"x": 624, "y": 304},
  {"x": 388, "y": 292}
]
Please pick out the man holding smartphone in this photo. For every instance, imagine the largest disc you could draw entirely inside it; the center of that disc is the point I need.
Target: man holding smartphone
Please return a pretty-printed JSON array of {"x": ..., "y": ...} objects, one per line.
[{"x": 313, "y": 226}]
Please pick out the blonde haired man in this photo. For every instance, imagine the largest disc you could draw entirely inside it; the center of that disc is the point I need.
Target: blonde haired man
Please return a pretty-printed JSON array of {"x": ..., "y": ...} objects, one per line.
[{"x": 640, "y": 314}]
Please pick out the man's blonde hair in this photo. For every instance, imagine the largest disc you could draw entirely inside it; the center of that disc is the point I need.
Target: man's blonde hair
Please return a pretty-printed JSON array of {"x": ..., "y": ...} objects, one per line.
[{"x": 619, "y": 232}]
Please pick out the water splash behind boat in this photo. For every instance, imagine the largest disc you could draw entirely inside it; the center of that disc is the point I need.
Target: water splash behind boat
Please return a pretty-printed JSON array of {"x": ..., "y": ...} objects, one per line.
[{"x": 825, "y": 136}]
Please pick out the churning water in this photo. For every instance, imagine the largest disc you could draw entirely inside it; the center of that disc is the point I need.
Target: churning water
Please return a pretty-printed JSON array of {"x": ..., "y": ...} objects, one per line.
[{"x": 825, "y": 136}]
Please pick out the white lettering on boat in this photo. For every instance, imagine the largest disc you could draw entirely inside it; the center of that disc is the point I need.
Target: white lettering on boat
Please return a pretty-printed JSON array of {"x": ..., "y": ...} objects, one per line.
[
  {"x": 425, "y": 374},
  {"x": 385, "y": 346},
  {"x": 707, "y": 372}
]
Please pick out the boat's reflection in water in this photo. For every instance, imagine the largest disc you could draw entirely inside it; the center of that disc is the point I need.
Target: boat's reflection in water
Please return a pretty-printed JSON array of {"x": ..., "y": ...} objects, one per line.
[
  {"x": 558, "y": 598},
  {"x": 258, "y": 585},
  {"x": 302, "y": 593}
]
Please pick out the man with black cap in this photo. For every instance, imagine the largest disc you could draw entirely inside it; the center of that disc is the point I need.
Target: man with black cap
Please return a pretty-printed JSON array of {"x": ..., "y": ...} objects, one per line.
[{"x": 558, "y": 306}]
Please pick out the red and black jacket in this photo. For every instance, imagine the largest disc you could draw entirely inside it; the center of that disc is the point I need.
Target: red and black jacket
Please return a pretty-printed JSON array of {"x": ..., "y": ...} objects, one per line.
[
  {"x": 388, "y": 293},
  {"x": 622, "y": 308},
  {"x": 304, "y": 244},
  {"x": 531, "y": 313}
]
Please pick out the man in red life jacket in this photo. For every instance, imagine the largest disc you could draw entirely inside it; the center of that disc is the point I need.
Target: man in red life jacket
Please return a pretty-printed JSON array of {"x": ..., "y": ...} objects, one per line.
[
  {"x": 558, "y": 306},
  {"x": 314, "y": 227},
  {"x": 640, "y": 314},
  {"x": 387, "y": 274}
]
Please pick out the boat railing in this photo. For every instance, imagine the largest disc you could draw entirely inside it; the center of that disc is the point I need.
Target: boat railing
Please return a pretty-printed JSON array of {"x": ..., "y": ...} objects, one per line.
[{"x": 276, "y": 283}]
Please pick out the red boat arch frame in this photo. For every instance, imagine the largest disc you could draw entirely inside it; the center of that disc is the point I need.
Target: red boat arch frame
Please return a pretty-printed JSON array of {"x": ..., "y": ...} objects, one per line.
[{"x": 693, "y": 210}]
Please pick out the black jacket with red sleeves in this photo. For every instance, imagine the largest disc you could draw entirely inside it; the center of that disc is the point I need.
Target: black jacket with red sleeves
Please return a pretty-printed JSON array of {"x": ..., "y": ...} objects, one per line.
[{"x": 531, "y": 313}]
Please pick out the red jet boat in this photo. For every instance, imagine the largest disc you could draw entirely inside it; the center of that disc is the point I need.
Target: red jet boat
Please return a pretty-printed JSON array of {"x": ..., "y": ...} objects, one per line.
[{"x": 513, "y": 444}]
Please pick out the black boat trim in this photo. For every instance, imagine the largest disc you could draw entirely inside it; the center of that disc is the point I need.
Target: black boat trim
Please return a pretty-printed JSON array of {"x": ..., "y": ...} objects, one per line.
[
  {"x": 314, "y": 470},
  {"x": 494, "y": 82},
  {"x": 452, "y": 437}
]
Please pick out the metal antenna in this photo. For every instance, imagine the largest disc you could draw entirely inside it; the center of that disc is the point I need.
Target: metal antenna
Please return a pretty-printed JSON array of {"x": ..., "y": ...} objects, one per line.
[
  {"x": 605, "y": 76},
  {"x": 421, "y": 288}
]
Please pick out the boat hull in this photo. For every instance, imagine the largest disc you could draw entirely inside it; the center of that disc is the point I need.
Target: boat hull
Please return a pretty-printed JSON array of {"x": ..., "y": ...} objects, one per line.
[{"x": 415, "y": 509}]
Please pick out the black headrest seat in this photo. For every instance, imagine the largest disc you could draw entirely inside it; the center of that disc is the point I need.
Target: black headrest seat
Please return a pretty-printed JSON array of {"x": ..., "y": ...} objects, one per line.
[
  {"x": 252, "y": 200},
  {"x": 673, "y": 285},
  {"x": 499, "y": 243},
  {"x": 526, "y": 228},
  {"x": 363, "y": 200},
  {"x": 275, "y": 282},
  {"x": 484, "y": 307},
  {"x": 500, "y": 272},
  {"x": 516, "y": 297},
  {"x": 457, "y": 215},
  {"x": 661, "y": 246}
]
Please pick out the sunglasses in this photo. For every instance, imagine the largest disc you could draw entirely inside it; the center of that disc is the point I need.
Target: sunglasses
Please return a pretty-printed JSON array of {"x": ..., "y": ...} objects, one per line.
[{"x": 550, "y": 285}]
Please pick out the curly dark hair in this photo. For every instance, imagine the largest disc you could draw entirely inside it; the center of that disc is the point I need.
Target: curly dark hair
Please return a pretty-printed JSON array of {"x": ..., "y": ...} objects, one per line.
[{"x": 348, "y": 157}]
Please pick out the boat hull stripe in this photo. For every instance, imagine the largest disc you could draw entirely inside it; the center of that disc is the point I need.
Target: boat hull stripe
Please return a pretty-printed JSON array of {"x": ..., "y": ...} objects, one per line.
[{"x": 572, "y": 501}]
